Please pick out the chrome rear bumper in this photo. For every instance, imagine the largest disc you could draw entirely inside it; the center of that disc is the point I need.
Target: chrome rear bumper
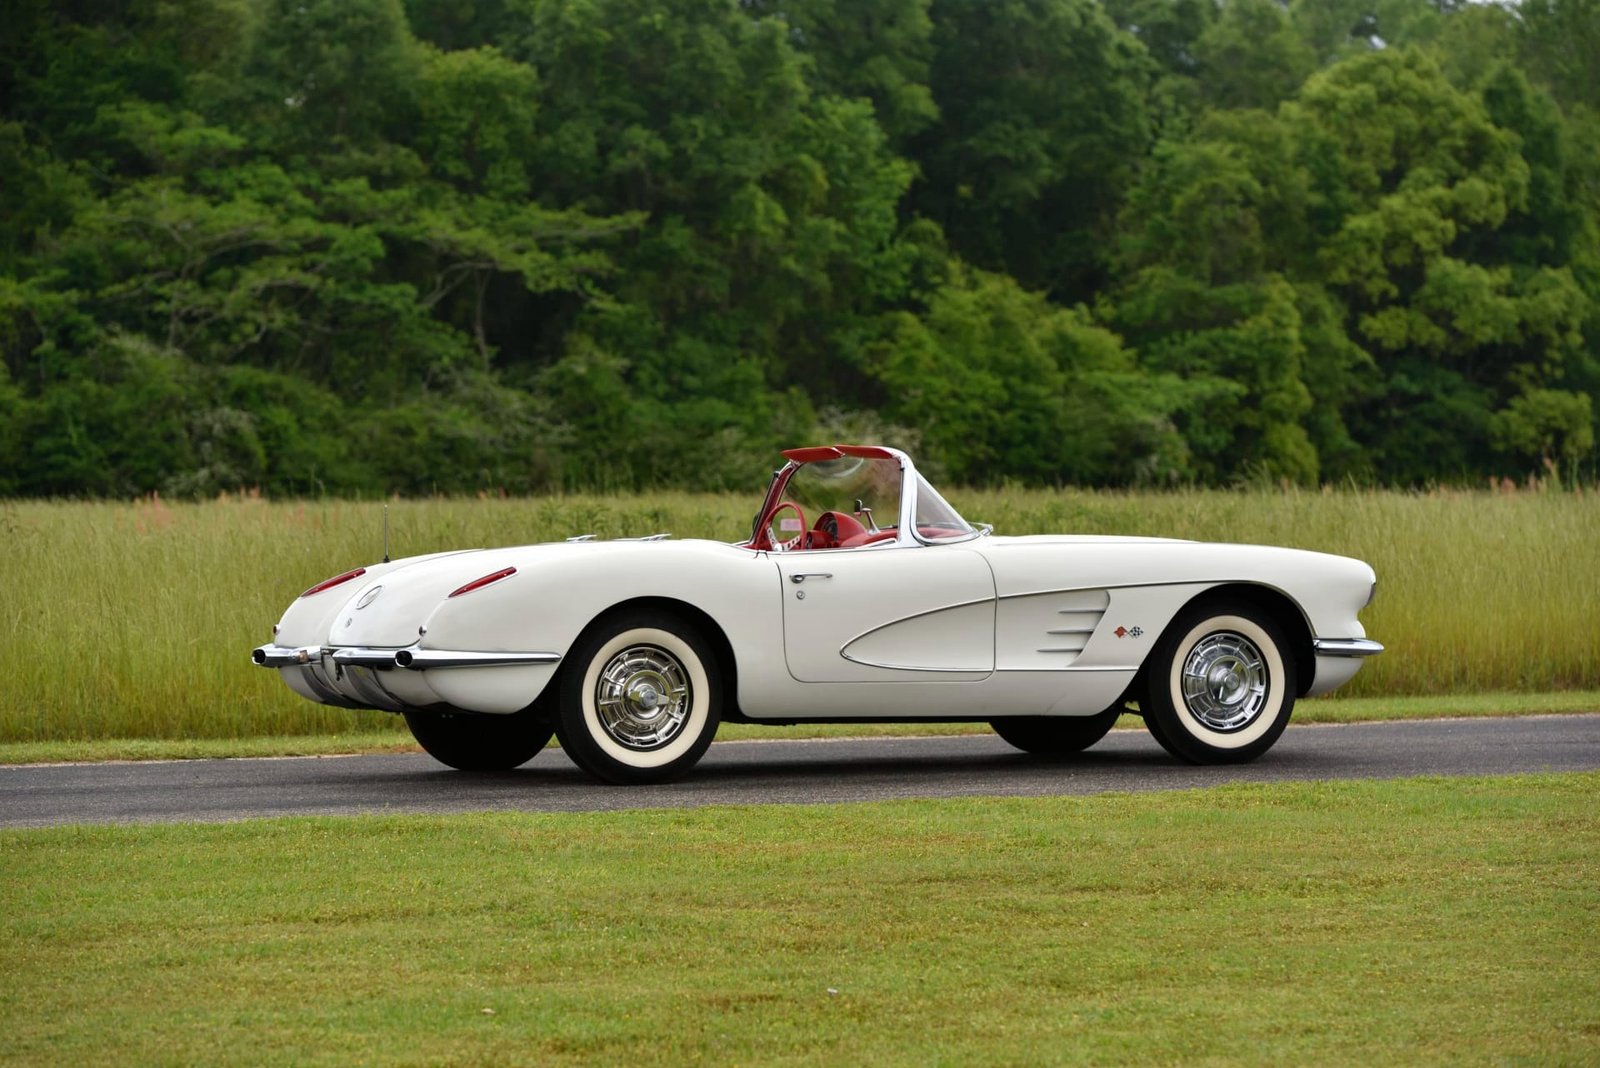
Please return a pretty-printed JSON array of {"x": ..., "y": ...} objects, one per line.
[
  {"x": 412, "y": 658},
  {"x": 1346, "y": 647}
]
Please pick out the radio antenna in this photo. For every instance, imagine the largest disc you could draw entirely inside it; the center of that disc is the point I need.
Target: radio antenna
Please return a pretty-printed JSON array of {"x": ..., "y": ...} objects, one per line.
[{"x": 386, "y": 532}]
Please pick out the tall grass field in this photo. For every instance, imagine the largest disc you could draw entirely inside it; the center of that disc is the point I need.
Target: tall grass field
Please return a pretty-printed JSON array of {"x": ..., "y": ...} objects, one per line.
[{"x": 122, "y": 620}]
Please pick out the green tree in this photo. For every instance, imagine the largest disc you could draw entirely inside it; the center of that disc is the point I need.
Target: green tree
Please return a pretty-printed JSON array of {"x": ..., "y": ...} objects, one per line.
[
  {"x": 771, "y": 220},
  {"x": 1419, "y": 182},
  {"x": 329, "y": 246},
  {"x": 1214, "y": 261},
  {"x": 1341, "y": 29},
  {"x": 1551, "y": 427},
  {"x": 1560, "y": 39},
  {"x": 460, "y": 25},
  {"x": 1000, "y": 383},
  {"x": 1042, "y": 120},
  {"x": 1373, "y": 271},
  {"x": 1168, "y": 29},
  {"x": 330, "y": 77},
  {"x": 1251, "y": 56},
  {"x": 215, "y": 271},
  {"x": 476, "y": 115},
  {"x": 880, "y": 50}
]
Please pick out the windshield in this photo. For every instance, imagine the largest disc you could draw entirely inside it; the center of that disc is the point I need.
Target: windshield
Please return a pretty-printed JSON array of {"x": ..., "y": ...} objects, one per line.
[
  {"x": 936, "y": 520},
  {"x": 825, "y": 501},
  {"x": 849, "y": 485},
  {"x": 840, "y": 503}
]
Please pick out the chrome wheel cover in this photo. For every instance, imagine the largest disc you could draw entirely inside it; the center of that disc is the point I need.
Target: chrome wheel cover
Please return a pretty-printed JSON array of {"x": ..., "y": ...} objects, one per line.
[
  {"x": 643, "y": 697},
  {"x": 1225, "y": 682}
]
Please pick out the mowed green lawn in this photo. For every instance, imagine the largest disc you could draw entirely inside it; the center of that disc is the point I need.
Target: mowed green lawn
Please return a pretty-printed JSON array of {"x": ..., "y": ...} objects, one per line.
[{"x": 1442, "y": 921}]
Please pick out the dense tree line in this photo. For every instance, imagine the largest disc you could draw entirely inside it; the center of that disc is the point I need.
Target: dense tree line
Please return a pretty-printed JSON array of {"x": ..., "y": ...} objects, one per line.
[{"x": 365, "y": 245}]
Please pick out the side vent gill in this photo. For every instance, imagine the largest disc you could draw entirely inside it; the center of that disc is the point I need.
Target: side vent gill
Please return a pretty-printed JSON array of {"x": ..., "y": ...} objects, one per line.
[{"x": 1077, "y": 614}]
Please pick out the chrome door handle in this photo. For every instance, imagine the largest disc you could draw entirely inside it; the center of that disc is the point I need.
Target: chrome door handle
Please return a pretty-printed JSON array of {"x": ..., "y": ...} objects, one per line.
[{"x": 801, "y": 576}]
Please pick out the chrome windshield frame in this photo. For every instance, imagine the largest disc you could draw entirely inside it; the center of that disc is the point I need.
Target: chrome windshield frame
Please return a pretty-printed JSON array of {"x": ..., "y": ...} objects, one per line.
[{"x": 909, "y": 522}]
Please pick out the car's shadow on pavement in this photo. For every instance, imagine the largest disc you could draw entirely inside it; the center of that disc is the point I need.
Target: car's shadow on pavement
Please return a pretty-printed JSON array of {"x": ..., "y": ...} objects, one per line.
[
  {"x": 739, "y": 773},
  {"x": 781, "y": 772}
]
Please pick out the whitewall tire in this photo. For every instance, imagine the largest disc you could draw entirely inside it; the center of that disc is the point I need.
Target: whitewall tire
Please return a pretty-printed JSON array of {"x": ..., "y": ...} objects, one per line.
[
  {"x": 1220, "y": 684},
  {"x": 641, "y": 697}
]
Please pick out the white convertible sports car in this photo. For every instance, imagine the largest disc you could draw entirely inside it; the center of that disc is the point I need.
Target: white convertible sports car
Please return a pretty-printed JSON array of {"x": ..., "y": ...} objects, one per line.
[{"x": 860, "y": 595}]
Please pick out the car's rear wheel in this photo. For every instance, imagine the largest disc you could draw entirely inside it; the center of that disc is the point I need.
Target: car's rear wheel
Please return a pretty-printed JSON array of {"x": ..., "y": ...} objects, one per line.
[
  {"x": 641, "y": 697},
  {"x": 1056, "y": 735},
  {"x": 1220, "y": 686},
  {"x": 470, "y": 742}
]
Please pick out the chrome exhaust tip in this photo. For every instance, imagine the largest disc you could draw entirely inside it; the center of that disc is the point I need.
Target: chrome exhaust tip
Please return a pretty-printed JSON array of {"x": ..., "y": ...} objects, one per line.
[{"x": 277, "y": 656}]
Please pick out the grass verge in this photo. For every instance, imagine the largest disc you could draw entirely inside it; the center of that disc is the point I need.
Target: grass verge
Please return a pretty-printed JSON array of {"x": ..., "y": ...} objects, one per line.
[
  {"x": 392, "y": 736},
  {"x": 1360, "y": 922}
]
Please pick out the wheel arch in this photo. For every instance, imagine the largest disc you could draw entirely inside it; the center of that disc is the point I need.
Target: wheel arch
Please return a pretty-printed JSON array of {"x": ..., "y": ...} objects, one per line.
[
  {"x": 722, "y": 649},
  {"x": 1282, "y": 610}
]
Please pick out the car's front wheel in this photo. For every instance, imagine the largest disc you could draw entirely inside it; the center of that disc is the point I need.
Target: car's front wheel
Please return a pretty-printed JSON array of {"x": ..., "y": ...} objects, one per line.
[
  {"x": 641, "y": 697},
  {"x": 1220, "y": 684},
  {"x": 1056, "y": 735},
  {"x": 471, "y": 742}
]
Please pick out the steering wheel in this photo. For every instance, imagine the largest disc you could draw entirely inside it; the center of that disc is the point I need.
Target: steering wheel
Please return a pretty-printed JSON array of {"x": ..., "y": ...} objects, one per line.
[
  {"x": 796, "y": 542},
  {"x": 832, "y": 528}
]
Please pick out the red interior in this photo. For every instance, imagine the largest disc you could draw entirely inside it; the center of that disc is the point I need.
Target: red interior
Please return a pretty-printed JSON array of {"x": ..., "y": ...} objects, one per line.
[
  {"x": 833, "y": 529},
  {"x": 846, "y": 531},
  {"x": 867, "y": 537}
]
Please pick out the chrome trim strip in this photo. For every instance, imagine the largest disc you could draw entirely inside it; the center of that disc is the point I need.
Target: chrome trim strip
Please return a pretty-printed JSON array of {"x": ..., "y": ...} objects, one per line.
[
  {"x": 979, "y": 673},
  {"x": 416, "y": 659},
  {"x": 354, "y": 656},
  {"x": 1345, "y": 647},
  {"x": 1069, "y": 668},
  {"x": 1207, "y": 583}
]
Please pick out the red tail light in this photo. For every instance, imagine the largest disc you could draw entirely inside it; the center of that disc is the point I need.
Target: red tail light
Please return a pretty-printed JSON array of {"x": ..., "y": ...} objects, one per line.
[
  {"x": 478, "y": 584},
  {"x": 337, "y": 580}
]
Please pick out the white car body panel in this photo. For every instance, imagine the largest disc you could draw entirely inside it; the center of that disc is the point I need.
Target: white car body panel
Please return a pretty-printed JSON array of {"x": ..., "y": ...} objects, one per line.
[
  {"x": 949, "y": 641},
  {"x": 887, "y": 614},
  {"x": 972, "y": 628}
]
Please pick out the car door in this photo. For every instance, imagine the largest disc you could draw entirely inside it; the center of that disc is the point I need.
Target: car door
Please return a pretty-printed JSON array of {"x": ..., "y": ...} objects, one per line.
[{"x": 888, "y": 614}]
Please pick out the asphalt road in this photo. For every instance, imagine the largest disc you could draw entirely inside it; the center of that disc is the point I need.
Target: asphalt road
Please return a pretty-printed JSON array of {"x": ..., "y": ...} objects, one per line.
[{"x": 775, "y": 772}]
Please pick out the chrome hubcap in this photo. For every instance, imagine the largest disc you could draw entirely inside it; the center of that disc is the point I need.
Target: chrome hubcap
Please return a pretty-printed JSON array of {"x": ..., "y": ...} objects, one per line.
[
  {"x": 643, "y": 697},
  {"x": 1225, "y": 682}
]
